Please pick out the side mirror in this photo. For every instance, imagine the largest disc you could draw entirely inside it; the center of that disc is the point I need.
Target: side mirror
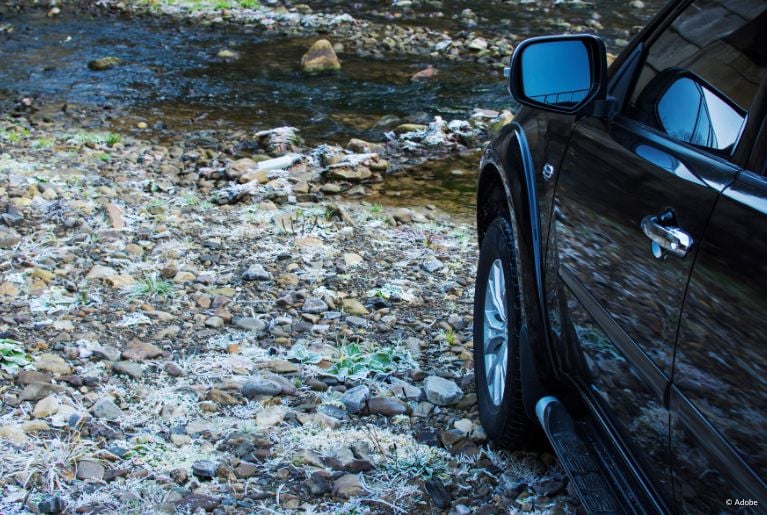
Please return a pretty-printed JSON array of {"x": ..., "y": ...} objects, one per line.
[{"x": 561, "y": 74}]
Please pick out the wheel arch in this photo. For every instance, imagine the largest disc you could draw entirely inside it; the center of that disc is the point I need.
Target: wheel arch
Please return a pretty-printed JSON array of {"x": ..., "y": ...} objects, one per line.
[{"x": 506, "y": 187}]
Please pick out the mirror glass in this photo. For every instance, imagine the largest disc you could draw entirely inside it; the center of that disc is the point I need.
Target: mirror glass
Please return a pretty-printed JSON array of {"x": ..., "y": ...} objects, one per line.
[
  {"x": 689, "y": 111},
  {"x": 556, "y": 73}
]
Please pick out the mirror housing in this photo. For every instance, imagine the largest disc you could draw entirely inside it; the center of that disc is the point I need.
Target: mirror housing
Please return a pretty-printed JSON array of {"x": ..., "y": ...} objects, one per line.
[{"x": 561, "y": 74}]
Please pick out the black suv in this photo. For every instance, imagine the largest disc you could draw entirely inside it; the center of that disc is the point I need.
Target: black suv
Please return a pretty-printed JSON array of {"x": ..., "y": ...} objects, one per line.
[{"x": 621, "y": 296}]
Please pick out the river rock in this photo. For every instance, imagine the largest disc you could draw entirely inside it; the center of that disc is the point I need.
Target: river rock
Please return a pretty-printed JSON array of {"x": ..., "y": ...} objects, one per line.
[
  {"x": 346, "y": 173},
  {"x": 441, "y": 391},
  {"x": 104, "y": 63},
  {"x": 320, "y": 58}
]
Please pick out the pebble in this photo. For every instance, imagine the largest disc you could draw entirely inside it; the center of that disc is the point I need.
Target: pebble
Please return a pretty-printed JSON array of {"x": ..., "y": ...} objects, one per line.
[
  {"x": 314, "y": 305},
  {"x": 46, "y": 407},
  {"x": 250, "y": 324}
]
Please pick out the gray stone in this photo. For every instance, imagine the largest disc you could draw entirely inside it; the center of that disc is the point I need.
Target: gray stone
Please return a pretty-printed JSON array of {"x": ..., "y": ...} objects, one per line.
[
  {"x": 52, "y": 504},
  {"x": 314, "y": 305},
  {"x": 403, "y": 389},
  {"x": 215, "y": 322},
  {"x": 441, "y": 391},
  {"x": 356, "y": 321},
  {"x": 87, "y": 469},
  {"x": 105, "y": 408},
  {"x": 250, "y": 324},
  {"x": 256, "y": 273},
  {"x": 354, "y": 398},
  {"x": 107, "y": 352},
  {"x": 204, "y": 469},
  {"x": 260, "y": 386},
  {"x": 128, "y": 368}
]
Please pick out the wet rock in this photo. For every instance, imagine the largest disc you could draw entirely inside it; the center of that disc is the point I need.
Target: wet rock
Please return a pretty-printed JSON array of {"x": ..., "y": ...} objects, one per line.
[
  {"x": 104, "y": 63},
  {"x": 354, "y": 398},
  {"x": 87, "y": 469},
  {"x": 364, "y": 147},
  {"x": 320, "y": 58},
  {"x": 441, "y": 392},
  {"x": 427, "y": 73},
  {"x": 227, "y": 55},
  {"x": 105, "y": 408}
]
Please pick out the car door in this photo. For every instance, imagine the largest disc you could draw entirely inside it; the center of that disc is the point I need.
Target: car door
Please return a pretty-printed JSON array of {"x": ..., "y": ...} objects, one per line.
[
  {"x": 719, "y": 395},
  {"x": 633, "y": 199}
]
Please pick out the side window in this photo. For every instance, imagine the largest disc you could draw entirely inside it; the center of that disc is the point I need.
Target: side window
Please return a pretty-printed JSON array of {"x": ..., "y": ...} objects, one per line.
[{"x": 702, "y": 73}]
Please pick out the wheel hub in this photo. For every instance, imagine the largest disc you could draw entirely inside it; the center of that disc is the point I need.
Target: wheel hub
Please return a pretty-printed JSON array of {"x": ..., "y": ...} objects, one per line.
[{"x": 495, "y": 333}]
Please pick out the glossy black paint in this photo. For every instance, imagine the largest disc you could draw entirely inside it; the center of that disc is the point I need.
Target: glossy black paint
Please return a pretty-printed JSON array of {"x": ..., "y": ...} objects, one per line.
[{"x": 666, "y": 356}]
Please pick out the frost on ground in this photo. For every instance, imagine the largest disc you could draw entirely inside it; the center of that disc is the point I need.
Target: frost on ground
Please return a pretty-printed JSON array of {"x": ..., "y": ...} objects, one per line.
[{"x": 167, "y": 347}]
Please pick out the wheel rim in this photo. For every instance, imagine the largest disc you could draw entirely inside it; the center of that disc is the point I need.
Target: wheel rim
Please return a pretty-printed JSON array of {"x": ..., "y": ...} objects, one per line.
[{"x": 496, "y": 333}]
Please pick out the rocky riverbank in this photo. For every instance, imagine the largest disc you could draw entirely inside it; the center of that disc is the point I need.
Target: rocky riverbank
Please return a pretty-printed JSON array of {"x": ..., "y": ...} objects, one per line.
[{"x": 186, "y": 329}]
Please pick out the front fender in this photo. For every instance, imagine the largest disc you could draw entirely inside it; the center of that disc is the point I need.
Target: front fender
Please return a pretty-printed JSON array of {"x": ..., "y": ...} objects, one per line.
[{"x": 507, "y": 169}]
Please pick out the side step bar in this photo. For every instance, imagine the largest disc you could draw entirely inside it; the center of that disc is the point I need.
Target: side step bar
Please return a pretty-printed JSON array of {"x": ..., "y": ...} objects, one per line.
[{"x": 576, "y": 457}]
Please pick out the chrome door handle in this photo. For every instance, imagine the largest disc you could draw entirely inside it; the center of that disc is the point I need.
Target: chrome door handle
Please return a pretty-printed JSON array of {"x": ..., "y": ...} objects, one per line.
[{"x": 663, "y": 233}]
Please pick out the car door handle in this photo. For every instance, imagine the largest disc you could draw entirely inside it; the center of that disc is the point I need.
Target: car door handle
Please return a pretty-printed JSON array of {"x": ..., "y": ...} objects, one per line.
[{"x": 662, "y": 230}]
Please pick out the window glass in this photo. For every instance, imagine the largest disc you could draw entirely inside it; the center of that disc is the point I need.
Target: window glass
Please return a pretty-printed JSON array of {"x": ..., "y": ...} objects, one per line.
[{"x": 702, "y": 73}]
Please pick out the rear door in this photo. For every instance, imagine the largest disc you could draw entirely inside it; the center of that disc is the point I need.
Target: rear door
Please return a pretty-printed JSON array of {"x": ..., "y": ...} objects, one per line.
[
  {"x": 719, "y": 394},
  {"x": 633, "y": 200}
]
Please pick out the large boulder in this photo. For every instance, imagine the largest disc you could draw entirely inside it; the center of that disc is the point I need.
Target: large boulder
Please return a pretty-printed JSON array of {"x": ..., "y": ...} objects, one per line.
[{"x": 320, "y": 58}]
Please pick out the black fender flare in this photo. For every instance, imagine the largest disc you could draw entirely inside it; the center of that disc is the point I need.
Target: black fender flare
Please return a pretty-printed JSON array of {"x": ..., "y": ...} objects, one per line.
[{"x": 510, "y": 160}]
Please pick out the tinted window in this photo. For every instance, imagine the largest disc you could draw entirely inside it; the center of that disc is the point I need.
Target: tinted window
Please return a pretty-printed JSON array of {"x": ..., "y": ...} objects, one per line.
[
  {"x": 721, "y": 44},
  {"x": 691, "y": 112}
]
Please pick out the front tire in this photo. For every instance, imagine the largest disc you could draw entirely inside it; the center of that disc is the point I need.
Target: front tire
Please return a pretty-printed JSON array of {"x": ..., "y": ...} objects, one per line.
[{"x": 499, "y": 319}]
